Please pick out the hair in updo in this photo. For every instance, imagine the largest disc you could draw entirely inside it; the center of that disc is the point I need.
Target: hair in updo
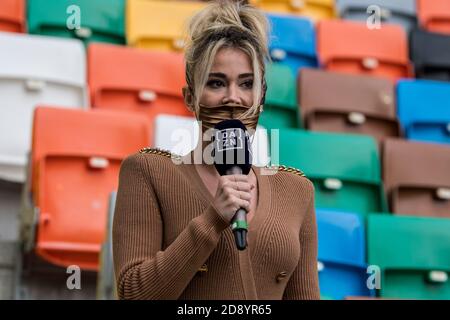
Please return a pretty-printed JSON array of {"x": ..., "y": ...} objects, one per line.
[{"x": 231, "y": 24}]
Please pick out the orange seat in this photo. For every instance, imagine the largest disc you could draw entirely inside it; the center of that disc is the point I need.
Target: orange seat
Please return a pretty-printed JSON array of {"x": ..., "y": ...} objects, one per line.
[
  {"x": 12, "y": 15},
  {"x": 351, "y": 47},
  {"x": 76, "y": 156},
  {"x": 136, "y": 80},
  {"x": 434, "y": 15}
]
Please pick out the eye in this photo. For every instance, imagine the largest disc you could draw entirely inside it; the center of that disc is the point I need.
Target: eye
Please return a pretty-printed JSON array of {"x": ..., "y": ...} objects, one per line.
[
  {"x": 247, "y": 84},
  {"x": 215, "y": 84}
]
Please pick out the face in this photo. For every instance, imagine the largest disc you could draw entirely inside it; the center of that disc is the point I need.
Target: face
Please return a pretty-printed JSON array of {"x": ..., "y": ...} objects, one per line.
[{"x": 230, "y": 79}]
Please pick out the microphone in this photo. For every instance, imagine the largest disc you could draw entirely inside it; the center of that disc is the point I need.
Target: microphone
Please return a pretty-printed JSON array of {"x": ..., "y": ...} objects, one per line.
[{"x": 232, "y": 156}]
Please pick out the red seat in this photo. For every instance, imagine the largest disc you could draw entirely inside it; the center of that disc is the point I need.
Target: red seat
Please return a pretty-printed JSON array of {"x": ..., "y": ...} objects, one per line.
[
  {"x": 136, "y": 80},
  {"x": 351, "y": 47},
  {"x": 76, "y": 155},
  {"x": 434, "y": 15},
  {"x": 12, "y": 15}
]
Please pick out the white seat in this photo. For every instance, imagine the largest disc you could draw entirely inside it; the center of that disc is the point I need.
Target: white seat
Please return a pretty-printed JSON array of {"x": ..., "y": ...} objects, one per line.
[
  {"x": 180, "y": 135},
  {"x": 34, "y": 70}
]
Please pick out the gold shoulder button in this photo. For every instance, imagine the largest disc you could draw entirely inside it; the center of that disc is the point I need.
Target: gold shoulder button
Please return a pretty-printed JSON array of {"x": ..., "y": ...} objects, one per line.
[{"x": 158, "y": 151}]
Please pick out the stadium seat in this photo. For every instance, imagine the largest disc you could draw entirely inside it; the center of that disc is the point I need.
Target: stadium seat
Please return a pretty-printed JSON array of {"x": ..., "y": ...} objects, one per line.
[
  {"x": 434, "y": 15},
  {"x": 75, "y": 160},
  {"x": 293, "y": 42},
  {"x": 135, "y": 80},
  {"x": 342, "y": 254},
  {"x": 430, "y": 53},
  {"x": 34, "y": 70},
  {"x": 100, "y": 20},
  {"x": 344, "y": 168},
  {"x": 417, "y": 177},
  {"x": 280, "y": 109},
  {"x": 12, "y": 15},
  {"x": 352, "y": 104},
  {"x": 351, "y": 47},
  {"x": 159, "y": 24},
  {"x": 401, "y": 12},
  {"x": 413, "y": 254},
  {"x": 424, "y": 110},
  {"x": 315, "y": 9}
]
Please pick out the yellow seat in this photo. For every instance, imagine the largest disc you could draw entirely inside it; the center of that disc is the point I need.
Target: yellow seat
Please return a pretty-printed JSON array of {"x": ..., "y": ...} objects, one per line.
[
  {"x": 315, "y": 9},
  {"x": 159, "y": 24}
]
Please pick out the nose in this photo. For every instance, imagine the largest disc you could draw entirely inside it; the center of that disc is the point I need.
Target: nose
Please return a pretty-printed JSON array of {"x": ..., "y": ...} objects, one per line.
[{"x": 232, "y": 95}]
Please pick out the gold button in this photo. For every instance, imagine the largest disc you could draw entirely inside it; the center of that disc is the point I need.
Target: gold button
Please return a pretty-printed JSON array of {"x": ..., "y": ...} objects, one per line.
[
  {"x": 281, "y": 276},
  {"x": 203, "y": 268}
]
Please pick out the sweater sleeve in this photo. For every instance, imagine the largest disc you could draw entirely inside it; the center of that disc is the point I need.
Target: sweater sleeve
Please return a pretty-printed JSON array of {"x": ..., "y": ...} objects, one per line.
[
  {"x": 143, "y": 270},
  {"x": 304, "y": 282}
]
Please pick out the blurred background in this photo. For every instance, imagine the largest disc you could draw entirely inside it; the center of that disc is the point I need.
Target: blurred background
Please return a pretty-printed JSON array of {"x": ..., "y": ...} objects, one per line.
[{"x": 358, "y": 89}]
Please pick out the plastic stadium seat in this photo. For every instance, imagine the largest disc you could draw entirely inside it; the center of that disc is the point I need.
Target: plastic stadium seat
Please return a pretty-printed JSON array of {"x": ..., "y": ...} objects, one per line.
[
  {"x": 280, "y": 108},
  {"x": 344, "y": 168},
  {"x": 430, "y": 53},
  {"x": 402, "y": 12},
  {"x": 76, "y": 155},
  {"x": 34, "y": 70},
  {"x": 293, "y": 42},
  {"x": 100, "y": 20},
  {"x": 424, "y": 110},
  {"x": 352, "y": 103},
  {"x": 316, "y": 9},
  {"x": 12, "y": 15},
  {"x": 351, "y": 47},
  {"x": 417, "y": 177},
  {"x": 342, "y": 254},
  {"x": 135, "y": 80},
  {"x": 413, "y": 254},
  {"x": 434, "y": 15},
  {"x": 159, "y": 24}
]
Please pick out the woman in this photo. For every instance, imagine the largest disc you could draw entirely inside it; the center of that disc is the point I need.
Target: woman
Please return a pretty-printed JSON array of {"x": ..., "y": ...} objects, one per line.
[{"x": 172, "y": 237}]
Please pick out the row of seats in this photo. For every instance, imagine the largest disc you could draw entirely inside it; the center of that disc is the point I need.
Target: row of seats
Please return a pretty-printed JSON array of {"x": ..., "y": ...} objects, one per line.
[
  {"x": 349, "y": 174},
  {"x": 106, "y": 22},
  {"x": 341, "y": 45},
  {"x": 358, "y": 259}
]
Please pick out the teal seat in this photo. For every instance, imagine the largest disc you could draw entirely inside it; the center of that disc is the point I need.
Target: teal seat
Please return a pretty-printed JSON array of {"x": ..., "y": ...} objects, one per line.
[
  {"x": 413, "y": 254},
  {"x": 344, "y": 168},
  {"x": 100, "y": 20},
  {"x": 280, "y": 108}
]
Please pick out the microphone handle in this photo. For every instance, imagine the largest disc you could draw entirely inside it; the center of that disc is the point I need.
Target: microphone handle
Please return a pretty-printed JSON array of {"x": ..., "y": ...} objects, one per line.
[{"x": 239, "y": 222}]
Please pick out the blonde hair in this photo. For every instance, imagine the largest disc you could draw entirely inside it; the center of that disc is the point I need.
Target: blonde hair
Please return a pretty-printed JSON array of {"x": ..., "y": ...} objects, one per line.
[{"x": 221, "y": 24}]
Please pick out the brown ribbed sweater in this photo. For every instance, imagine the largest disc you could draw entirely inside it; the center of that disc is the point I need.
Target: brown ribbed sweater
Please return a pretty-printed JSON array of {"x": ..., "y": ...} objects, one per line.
[{"x": 169, "y": 242}]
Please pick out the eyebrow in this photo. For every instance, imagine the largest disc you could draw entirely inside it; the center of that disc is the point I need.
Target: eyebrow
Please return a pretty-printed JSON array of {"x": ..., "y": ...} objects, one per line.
[{"x": 224, "y": 76}]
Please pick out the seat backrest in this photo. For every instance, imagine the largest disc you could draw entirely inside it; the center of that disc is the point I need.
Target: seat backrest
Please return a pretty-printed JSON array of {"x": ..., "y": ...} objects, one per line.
[
  {"x": 159, "y": 24},
  {"x": 292, "y": 41},
  {"x": 76, "y": 156},
  {"x": 315, "y": 9},
  {"x": 424, "y": 110},
  {"x": 402, "y": 12},
  {"x": 12, "y": 15},
  {"x": 34, "y": 70},
  {"x": 434, "y": 15},
  {"x": 417, "y": 177},
  {"x": 99, "y": 20},
  {"x": 353, "y": 103},
  {"x": 408, "y": 250},
  {"x": 351, "y": 47},
  {"x": 143, "y": 81},
  {"x": 340, "y": 166},
  {"x": 430, "y": 54}
]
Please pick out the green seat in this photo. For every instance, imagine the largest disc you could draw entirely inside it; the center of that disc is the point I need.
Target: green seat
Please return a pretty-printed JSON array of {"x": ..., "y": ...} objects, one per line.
[
  {"x": 100, "y": 20},
  {"x": 344, "y": 168},
  {"x": 413, "y": 254},
  {"x": 280, "y": 108}
]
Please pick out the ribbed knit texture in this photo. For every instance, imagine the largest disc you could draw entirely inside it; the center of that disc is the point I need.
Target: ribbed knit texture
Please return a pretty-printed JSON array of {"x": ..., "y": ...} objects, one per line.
[{"x": 166, "y": 228}]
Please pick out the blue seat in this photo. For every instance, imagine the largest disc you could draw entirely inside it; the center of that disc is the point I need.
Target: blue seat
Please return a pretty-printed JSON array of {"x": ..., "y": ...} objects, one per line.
[
  {"x": 424, "y": 110},
  {"x": 293, "y": 42},
  {"x": 342, "y": 255}
]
